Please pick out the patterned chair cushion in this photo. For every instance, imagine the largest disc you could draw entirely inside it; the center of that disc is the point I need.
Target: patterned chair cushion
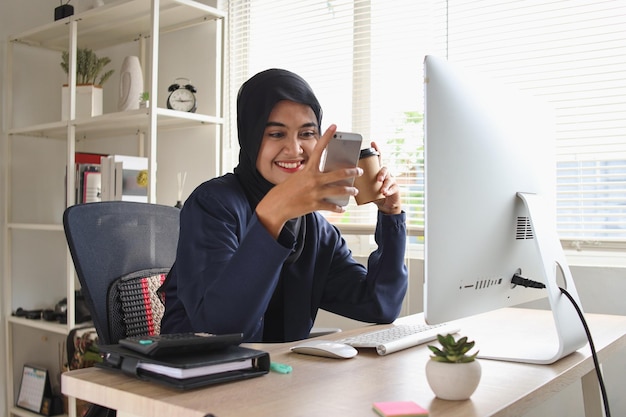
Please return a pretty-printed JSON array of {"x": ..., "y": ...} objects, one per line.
[{"x": 134, "y": 297}]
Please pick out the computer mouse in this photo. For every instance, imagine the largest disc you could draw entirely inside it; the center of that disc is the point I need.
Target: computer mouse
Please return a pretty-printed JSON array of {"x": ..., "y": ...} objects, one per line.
[{"x": 325, "y": 348}]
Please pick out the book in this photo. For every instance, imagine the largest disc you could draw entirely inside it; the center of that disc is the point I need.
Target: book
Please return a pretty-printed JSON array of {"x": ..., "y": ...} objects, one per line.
[
  {"x": 399, "y": 409},
  {"x": 188, "y": 371},
  {"x": 91, "y": 187},
  {"x": 87, "y": 182},
  {"x": 124, "y": 178},
  {"x": 88, "y": 158}
]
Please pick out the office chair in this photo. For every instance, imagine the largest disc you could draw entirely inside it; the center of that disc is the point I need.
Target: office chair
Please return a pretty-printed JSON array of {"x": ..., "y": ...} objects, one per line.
[{"x": 122, "y": 252}]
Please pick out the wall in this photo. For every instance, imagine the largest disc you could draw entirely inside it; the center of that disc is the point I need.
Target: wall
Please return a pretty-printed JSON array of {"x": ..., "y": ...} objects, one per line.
[{"x": 33, "y": 13}]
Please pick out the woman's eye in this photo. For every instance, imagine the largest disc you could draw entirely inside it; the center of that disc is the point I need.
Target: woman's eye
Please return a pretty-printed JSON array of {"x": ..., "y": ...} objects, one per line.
[
  {"x": 276, "y": 135},
  {"x": 309, "y": 134}
]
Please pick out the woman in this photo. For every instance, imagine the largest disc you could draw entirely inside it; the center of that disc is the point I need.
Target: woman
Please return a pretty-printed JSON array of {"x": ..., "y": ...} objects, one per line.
[{"x": 254, "y": 256}]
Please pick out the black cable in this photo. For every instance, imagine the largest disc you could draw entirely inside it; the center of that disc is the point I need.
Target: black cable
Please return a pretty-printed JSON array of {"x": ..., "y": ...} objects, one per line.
[
  {"x": 605, "y": 399},
  {"x": 529, "y": 283},
  {"x": 525, "y": 282}
]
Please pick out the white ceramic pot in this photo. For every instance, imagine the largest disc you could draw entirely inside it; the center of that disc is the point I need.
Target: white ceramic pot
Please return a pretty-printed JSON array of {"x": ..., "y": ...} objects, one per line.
[
  {"x": 88, "y": 101},
  {"x": 131, "y": 84},
  {"x": 453, "y": 381}
]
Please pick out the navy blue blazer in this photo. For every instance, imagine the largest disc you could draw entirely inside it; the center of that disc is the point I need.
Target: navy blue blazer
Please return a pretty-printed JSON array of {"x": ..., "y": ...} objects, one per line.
[{"x": 228, "y": 266}]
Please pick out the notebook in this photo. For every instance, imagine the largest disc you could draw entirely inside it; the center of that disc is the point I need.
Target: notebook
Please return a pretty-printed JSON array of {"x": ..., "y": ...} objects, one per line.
[{"x": 190, "y": 370}]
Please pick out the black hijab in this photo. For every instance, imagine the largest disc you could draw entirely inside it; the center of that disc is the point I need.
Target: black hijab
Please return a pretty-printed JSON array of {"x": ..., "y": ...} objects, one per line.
[{"x": 255, "y": 101}]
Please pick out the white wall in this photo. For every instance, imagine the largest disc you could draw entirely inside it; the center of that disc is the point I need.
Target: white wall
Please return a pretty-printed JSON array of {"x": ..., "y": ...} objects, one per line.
[{"x": 33, "y": 12}]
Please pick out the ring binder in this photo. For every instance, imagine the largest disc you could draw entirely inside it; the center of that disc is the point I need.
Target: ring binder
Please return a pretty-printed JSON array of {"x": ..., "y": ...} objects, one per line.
[{"x": 189, "y": 371}]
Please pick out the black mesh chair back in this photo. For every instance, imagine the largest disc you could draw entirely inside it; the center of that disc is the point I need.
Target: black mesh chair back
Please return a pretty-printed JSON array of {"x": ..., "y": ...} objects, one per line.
[{"x": 113, "y": 244}]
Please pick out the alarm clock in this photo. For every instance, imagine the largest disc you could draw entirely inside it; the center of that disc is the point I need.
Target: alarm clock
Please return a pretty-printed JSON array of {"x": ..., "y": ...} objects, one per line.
[{"x": 182, "y": 97}]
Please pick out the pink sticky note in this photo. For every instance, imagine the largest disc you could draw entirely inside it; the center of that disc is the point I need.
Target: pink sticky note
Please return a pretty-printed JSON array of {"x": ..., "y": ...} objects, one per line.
[{"x": 400, "y": 409}]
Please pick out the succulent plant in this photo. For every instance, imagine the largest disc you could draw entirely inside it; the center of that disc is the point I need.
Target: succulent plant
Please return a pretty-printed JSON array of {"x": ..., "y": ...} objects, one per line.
[
  {"x": 88, "y": 66},
  {"x": 452, "y": 351}
]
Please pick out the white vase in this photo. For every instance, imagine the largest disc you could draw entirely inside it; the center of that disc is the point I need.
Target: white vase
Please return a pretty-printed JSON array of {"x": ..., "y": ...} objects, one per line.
[
  {"x": 88, "y": 101},
  {"x": 453, "y": 381},
  {"x": 131, "y": 84}
]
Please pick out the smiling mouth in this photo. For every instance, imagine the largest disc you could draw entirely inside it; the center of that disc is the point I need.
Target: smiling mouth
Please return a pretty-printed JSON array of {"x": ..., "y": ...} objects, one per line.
[{"x": 289, "y": 165}]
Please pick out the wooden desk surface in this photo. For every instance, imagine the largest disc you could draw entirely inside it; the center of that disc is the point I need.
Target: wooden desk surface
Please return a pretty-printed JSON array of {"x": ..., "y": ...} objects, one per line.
[{"x": 335, "y": 387}]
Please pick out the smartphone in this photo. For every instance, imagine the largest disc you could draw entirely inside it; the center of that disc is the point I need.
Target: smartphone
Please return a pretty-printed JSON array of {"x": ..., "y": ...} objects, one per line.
[{"x": 342, "y": 152}]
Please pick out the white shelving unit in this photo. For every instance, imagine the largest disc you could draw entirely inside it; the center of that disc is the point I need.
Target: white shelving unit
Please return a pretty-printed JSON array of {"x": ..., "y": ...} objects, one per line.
[{"x": 116, "y": 23}]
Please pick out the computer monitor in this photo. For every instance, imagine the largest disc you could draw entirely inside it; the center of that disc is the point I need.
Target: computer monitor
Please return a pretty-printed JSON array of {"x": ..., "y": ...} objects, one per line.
[{"x": 490, "y": 210}]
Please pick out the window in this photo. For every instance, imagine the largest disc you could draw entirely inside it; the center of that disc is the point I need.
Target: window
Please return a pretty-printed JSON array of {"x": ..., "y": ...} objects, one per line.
[
  {"x": 363, "y": 59},
  {"x": 574, "y": 55}
]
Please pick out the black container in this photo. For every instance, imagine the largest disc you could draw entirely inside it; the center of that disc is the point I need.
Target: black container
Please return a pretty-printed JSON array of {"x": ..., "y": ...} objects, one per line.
[{"x": 63, "y": 11}]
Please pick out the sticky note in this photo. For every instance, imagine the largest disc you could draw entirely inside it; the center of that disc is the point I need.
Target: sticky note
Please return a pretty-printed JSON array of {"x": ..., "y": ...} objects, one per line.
[{"x": 400, "y": 409}]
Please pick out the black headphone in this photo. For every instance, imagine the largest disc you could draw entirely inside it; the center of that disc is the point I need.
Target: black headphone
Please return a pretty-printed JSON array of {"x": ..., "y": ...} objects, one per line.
[{"x": 176, "y": 86}]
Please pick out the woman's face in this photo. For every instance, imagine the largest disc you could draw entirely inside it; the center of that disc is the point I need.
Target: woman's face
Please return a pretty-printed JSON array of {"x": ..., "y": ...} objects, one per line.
[{"x": 290, "y": 135}]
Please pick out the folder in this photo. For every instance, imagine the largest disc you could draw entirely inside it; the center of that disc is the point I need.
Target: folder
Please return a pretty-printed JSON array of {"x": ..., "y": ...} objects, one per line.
[{"x": 190, "y": 370}]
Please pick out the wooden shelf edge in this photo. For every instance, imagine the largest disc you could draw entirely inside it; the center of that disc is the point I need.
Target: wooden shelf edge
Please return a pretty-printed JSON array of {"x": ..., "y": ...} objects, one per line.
[
  {"x": 25, "y": 413},
  {"x": 36, "y": 226},
  {"x": 40, "y": 324},
  {"x": 117, "y": 123},
  {"x": 117, "y": 22}
]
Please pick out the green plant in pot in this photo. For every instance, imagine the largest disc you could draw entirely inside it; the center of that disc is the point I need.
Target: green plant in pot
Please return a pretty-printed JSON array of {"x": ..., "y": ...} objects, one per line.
[
  {"x": 91, "y": 74},
  {"x": 452, "y": 372},
  {"x": 88, "y": 67},
  {"x": 144, "y": 99}
]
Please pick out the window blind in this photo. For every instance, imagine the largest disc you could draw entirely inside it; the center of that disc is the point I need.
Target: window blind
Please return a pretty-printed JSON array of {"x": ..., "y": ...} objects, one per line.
[
  {"x": 573, "y": 54},
  {"x": 363, "y": 59}
]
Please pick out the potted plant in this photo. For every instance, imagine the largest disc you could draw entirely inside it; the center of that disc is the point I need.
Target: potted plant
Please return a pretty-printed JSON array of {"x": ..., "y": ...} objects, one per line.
[
  {"x": 144, "y": 100},
  {"x": 451, "y": 372},
  {"x": 90, "y": 77}
]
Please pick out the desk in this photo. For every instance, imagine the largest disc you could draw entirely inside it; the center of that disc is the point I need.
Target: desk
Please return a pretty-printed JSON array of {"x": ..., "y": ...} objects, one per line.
[{"x": 335, "y": 387}]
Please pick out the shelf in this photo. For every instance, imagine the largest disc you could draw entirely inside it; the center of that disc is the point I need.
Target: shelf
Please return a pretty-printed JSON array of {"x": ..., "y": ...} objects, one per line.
[
  {"x": 118, "y": 22},
  {"x": 113, "y": 25},
  {"x": 25, "y": 413},
  {"x": 48, "y": 326},
  {"x": 36, "y": 227},
  {"x": 118, "y": 123},
  {"x": 56, "y": 130}
]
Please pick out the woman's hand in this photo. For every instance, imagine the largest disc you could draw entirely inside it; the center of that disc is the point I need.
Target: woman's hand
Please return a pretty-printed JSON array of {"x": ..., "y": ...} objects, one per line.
[
  {"x": 389, "y": 188},
  {"x": 306, "y": 190}
]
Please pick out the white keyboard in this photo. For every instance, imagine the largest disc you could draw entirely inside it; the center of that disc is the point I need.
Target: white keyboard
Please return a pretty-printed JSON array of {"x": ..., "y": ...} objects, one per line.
[{"x": 400, "y": 337}]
